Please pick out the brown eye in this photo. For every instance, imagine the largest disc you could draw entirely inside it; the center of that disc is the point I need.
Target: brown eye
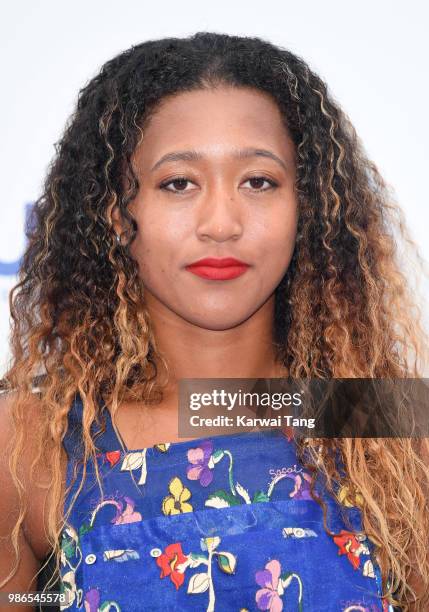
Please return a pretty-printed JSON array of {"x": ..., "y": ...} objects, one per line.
[
  {"x": 178, "y": 182},
  {"x": 258, "y": 181}
]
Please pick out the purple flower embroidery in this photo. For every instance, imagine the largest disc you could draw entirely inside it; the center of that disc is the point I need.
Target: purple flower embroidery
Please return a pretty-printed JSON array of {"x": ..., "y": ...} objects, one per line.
[
  {"x": 92, "y": 599},
  {"x": 127, "y": 514},
  {"x": 302, "y": 486},
  {"x": 268, "y": 598},
  {"x": 199, "y": 458}
]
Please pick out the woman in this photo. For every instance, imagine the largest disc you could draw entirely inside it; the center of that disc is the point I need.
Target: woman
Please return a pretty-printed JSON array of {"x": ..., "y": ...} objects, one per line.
[{"x": 213, "y": 146}]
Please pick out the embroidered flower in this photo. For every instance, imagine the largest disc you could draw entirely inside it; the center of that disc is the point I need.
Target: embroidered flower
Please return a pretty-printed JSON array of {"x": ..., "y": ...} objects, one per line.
[
  {"x": 168, "y": 562},
  {"x": 177, "y": 501},
  {"x": 92, "y": 602},
  {"x": 349, "y": 500},
  {"x": 268, "y": 598},
  {"x": 113, "y": 457},
  {"x": 127, "y": 514},
  {"x": 349, "y": 545},
  {"x": 162, "y": 446},
  {"x": 302, "y": 486},
  {"x": 199, "y": 458},
  {"x": 92, "y": 599}
]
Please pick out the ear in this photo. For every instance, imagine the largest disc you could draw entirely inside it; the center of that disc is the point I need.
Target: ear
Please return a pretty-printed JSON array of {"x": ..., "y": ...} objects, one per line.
[{"x": 117, "y": 222}]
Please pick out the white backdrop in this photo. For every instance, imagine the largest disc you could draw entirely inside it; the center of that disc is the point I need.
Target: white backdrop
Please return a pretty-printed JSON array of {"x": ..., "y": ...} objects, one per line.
[{"x": 372, "y": 54}]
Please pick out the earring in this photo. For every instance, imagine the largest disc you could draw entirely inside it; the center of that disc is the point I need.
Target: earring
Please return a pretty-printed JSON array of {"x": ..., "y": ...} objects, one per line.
[{"x": 118, "y": 238}]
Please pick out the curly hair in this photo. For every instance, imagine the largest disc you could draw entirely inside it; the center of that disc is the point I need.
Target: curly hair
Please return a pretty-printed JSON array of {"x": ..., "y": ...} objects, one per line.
[{"x": 79, "y": 320}]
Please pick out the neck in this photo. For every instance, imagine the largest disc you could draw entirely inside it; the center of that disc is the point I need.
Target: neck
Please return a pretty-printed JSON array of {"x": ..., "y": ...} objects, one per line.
[{"x": 243, "y": 351}]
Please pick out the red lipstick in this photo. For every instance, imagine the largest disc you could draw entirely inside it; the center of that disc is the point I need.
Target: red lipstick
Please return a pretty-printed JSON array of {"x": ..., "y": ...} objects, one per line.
[{"x": 218, "y": 269}]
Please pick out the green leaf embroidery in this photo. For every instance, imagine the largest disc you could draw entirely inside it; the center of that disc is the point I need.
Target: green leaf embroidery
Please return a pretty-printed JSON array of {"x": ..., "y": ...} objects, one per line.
[
  {"x": 84, "y": 529},
  {"x": 227, "y": 562},
  {"x": 218, "y": 454},
  {"x": 260, "y": 496},
  {"x": 68, "y": 548},
  {"x": 65, "y": 585},
  {"x": 286, "y": 579},
  {"x": 195, "y": 559}
]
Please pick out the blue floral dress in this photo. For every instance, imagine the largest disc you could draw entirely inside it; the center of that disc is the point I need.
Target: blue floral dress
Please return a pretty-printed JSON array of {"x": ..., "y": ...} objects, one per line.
[{"x": 215, "y": 524}]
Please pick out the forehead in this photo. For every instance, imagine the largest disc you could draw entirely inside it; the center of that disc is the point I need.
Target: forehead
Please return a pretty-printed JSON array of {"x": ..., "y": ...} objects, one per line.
[{"x": 215, "y": 121}]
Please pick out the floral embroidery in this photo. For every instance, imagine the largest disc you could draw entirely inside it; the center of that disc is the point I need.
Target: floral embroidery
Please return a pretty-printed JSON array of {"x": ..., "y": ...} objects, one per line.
[
  {"x": 168, "y": 562},
  {"x": 113, "y": 457},
  {"x": 202, "y": 462},
  {"x": 173, "y": 563},
  {"x": 347, "y": 499},
  {"x": 162, "y": 447},
  {"x": 273, "y": 585},
  {"x": 199, "y": 458},
  {"x": 352, "y": 545},
  {"x": 212, "y": 552},
  {"x": 125, "y": 512},
  {"x": 134, "y": 461},
  {"x": 71, "y": 558},
  {"x": 177, "y": 501},
  {"x": 92, "y": 602}
]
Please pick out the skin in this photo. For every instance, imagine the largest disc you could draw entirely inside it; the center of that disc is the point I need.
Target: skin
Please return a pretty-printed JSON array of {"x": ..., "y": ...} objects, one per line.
[{"x": 207, "y": 328}]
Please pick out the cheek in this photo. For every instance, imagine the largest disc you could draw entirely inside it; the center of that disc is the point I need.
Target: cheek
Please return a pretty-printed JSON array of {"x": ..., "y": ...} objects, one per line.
[
  {"x": 287, "y": 229},
  {"x": 155, "y": 247},
  {"x": 283, "y": 242},
  {"x": 276, "y": 236}
]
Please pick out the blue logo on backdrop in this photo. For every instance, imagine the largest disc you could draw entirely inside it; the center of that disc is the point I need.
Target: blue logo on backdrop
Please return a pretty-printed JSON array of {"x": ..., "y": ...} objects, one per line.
[{"x": 10, "y": 268}]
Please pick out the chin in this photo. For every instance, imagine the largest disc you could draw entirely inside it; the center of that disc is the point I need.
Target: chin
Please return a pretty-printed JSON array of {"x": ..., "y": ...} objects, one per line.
[{"x": 217, "y": 322}]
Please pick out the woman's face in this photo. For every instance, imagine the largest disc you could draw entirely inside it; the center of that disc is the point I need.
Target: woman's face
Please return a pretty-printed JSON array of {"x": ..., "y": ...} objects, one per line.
[{"x": 205, "y": 200}]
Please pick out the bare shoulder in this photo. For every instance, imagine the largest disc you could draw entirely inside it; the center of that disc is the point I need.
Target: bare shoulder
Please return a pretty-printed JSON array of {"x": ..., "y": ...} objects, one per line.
[
  {"x": 36, "y": 488},
  {"x": 24, "y": 576}
]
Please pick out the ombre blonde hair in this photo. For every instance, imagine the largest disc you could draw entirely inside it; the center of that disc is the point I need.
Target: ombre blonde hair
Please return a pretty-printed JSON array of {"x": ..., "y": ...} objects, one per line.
[{"x": 346, "y": 307}]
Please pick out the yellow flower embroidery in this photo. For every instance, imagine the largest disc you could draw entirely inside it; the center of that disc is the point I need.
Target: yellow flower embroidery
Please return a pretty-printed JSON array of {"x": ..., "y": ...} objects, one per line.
[
  {"x": 346, "y": 498},
  {"x": 211, "y": 543},
  {"x": 163, "y": 446},
  {"x": 176, "y": 502}
]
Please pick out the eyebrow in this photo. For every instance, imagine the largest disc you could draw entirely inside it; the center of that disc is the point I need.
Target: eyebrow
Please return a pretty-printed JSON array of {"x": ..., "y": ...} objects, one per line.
[{"x": 192, "y": 155}]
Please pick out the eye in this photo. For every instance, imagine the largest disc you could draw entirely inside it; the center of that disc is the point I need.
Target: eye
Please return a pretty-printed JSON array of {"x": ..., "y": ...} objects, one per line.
[
  {"x": 180, "y": 184},
  {"x": 262, "y": 179},
  {"x": 178, "y": 181}
]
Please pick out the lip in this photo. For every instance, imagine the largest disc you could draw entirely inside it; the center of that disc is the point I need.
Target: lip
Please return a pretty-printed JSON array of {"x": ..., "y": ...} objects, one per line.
[{"x": 218, "y": 268}]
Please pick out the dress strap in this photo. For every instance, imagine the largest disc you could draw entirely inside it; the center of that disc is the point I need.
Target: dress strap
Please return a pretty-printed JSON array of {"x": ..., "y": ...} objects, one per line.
[{"x": 104, "y": 436}]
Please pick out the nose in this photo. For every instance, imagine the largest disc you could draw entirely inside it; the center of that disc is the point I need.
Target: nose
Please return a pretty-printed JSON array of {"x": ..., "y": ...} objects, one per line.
[{"x": 219, "y": 217}]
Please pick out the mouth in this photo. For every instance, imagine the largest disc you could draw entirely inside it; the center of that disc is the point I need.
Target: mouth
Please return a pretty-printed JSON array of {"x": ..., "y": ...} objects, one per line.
[{"x": 218, "y": 269}]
